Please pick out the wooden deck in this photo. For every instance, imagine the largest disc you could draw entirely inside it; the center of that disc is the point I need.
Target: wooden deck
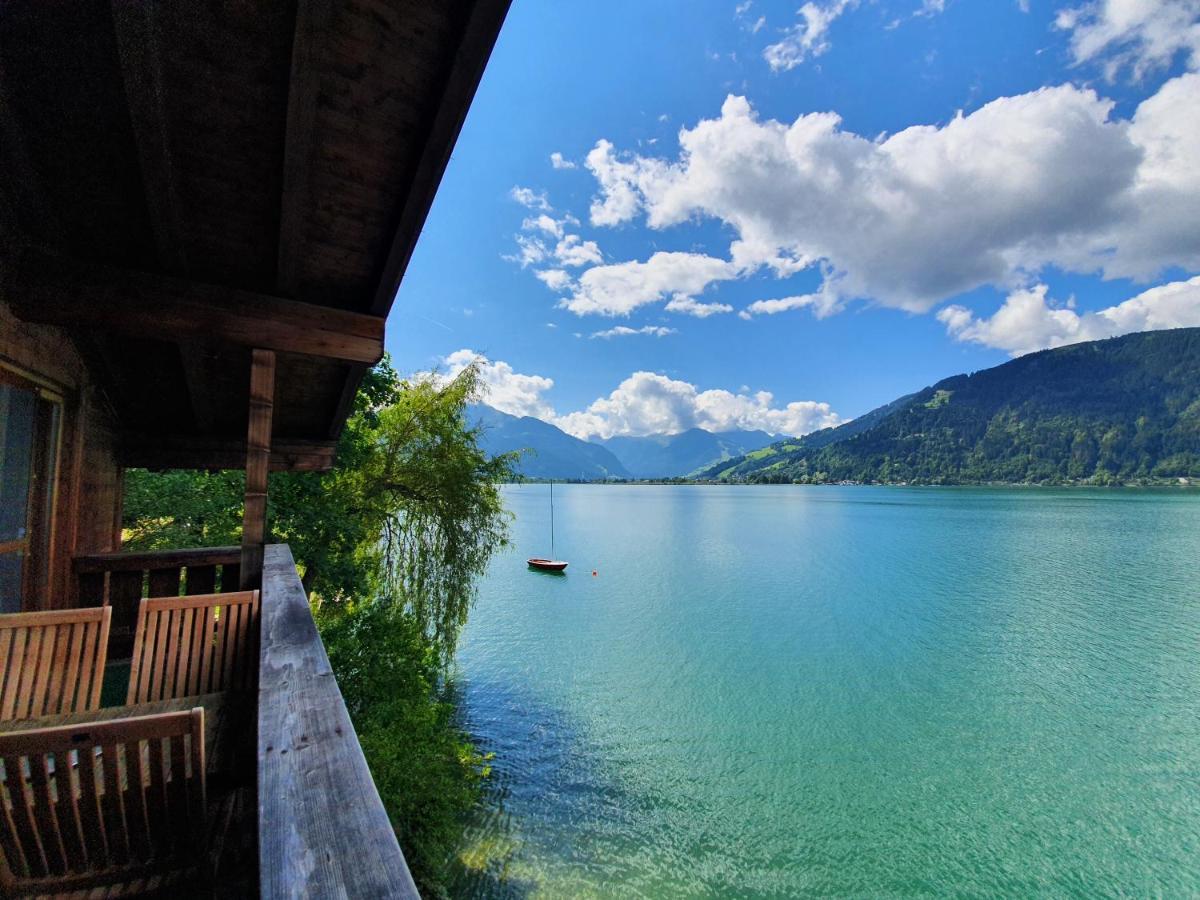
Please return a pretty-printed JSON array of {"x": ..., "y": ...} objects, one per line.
[{"x": 305, "y": 798}]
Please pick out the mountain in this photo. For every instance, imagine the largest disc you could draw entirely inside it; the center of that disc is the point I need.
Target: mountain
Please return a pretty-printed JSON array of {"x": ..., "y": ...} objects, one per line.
[
  {"x": 555, "y": 454},
  {"x": 1103, "y": 412},
  {"x": 678, "y": 455}
]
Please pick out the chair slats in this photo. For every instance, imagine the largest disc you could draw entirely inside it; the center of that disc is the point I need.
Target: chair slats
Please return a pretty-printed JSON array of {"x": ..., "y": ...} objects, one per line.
[
  {"x": 186, "y": 646},
  {"x": 102, "y": 803},
  {"x": 52, "y": 663}
]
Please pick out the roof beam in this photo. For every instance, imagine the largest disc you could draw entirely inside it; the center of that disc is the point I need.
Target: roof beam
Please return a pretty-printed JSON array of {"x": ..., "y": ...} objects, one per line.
[
  {"x": 140, "y": 55},
  {"x": 158, "y": 451},
  {"x": 56, "y": 291},
  {"x": 312, "y": 21},
  {"x": 462, "y": 78}
]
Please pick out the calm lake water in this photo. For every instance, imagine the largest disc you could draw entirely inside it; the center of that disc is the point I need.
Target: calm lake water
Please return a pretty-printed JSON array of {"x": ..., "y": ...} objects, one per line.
[{"x": 869, "y": 691}]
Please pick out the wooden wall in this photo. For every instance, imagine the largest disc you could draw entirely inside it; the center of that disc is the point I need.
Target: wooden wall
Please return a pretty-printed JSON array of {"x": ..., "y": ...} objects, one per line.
[{"x": 88, "y": 492}]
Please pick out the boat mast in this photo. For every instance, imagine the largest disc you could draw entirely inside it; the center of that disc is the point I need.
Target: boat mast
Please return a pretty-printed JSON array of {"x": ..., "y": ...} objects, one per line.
[{"x": 552, "y": 520}]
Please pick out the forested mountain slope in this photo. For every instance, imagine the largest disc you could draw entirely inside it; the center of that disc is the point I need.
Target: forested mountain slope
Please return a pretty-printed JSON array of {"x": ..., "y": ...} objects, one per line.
[{"x": 1104, "y": 412}]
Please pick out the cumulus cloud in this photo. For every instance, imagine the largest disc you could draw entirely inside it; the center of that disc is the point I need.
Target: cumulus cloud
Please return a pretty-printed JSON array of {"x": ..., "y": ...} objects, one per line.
[
  {"x": 626, "y": 331},
  {"x": 823, "y": 303},
  {"x": 808, "y": 37},
  {"x": 555, "y": 279},
  {"x": 530, "y": 198},
  {"x": 620, "y": 288},
  {"x": 1141, "y": 35},
  {"x": 644, "y": 403},
  {"x": 689, "y": 306},
  {"x": 1044, "y": 178},
  {"x": 649, "y": 403},
  {"x": 558, "y": 161},
  {"x": 548, "y": 224},
  {"x": 572, "y": 250},
  {"x": 1029, "y": 321},
  {"x": 503, "y": 388}
]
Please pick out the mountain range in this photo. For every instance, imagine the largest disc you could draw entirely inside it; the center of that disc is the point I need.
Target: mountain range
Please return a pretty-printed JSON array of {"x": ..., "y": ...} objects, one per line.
[
  {"x": 1120, "y": 410},
  {"x": 552, "y": 453}
]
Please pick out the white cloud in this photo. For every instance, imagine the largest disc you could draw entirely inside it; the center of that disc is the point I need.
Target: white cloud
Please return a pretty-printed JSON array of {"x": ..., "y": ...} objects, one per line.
[
  {"x": 555, "y": 279},
  {"x": 1142, "y": 35},
  {"x": 626, "y": 331},
  {"x": 1043, "y": 178},
  {"x": 1028, "y": 321},
  {"x": 545, "y": 223},
  {"x": 823, "y": 303},
  {"x": 530, "y": 251},
  {"x": 618, "y": 201},
  {"x": 688, "y": 306},
  {"x": 504, "y": 389},
  {"x": 808, "y": 37},
  {"x": 649, "y": 403},
  {"x": 644, "y": 403},
  {"x": 558, "y": 161},
  {"x": 574, "y": 251},
  {"x": 530, "y": 198},
  {"x": 931, "y": 7},
  {"x": 618, "y": 289}
]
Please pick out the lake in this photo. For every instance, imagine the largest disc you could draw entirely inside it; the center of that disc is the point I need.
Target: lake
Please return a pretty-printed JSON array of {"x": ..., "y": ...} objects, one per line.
[{"x": 868, "y": 691}]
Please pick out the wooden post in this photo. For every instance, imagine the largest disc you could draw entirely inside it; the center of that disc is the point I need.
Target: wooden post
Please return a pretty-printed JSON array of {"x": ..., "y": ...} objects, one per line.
[{"x": 258, "y": 458}]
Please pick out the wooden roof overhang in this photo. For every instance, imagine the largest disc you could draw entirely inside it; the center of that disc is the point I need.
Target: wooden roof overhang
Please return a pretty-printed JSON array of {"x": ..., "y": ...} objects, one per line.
[{"x": 183, "y": 182}]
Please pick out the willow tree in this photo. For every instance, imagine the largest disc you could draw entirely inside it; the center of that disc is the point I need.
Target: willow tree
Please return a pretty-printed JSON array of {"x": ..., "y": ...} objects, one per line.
[
  {"x": 390, "y": 543},
  {"x": 409, "y": 516}
]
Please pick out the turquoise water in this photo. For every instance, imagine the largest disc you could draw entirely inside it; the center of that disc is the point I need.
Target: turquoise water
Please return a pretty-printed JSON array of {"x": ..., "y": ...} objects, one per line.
[{"x": 860, "y": 691}]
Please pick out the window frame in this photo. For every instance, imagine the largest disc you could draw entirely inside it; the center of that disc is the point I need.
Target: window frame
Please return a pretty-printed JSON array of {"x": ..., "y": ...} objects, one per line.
[{"x": 39, "y": 544}]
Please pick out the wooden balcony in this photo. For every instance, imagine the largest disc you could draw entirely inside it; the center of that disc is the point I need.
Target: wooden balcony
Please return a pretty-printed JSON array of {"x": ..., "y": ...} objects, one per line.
[{"x": 310, "y": 806}]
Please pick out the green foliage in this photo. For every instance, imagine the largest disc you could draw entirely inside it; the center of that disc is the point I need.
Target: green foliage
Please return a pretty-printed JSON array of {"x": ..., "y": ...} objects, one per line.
[
  {"x": 390, "y": 543},
  {"x": 1107, "y": 412},
  {"x": 165, "y": 510},
  {"x": 427, "y": 772}
]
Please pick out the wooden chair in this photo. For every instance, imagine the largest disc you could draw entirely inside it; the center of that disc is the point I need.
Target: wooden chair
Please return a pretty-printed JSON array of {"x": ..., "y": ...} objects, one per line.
[
  {"x": 52, "y": 662},
  {"x": 185, "y": 646},
  {"x": 120, "y": 802}
]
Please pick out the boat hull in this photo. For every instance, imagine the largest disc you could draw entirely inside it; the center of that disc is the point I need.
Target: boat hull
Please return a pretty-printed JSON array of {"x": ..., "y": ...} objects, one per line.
[{"x": 547, "y": 565}]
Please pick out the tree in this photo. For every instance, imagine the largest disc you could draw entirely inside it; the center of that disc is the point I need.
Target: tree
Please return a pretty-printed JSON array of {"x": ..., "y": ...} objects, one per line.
[{"x": 391, "y": 542}]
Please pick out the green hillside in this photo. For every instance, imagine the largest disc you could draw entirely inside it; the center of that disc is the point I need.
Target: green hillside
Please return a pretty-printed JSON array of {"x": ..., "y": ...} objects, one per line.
[{"x": 1105, "y": 412}]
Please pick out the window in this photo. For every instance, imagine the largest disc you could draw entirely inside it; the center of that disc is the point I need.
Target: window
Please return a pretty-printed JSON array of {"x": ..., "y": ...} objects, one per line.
[{"x": 30, "y": 422}]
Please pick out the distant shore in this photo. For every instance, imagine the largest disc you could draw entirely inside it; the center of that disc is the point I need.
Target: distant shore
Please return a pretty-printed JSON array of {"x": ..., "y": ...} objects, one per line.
[{"x": 1135, "y": 483}]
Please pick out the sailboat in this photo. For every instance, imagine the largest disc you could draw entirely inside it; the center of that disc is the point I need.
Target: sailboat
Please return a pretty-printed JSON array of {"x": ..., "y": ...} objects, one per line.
[{"x": 549, "y": 565}]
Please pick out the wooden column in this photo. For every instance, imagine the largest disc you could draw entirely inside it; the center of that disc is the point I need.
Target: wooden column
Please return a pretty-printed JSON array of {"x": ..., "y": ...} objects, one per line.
[{"x": 258, "y": 459}]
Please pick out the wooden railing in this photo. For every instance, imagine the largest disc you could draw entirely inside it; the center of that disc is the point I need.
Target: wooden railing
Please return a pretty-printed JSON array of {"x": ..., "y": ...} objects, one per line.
[
  {"x": 322, "y": 829},
  {"x": 121, "y": 580}
]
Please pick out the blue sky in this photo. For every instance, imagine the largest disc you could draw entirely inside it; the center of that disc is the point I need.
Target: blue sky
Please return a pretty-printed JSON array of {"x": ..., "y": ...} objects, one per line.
[{"x": 921, "y": 188}]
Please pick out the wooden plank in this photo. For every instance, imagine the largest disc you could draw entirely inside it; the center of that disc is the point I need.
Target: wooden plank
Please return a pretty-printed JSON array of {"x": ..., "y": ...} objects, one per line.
[
  {"x": 57, "y": 291},
  {"x": 188, "y": 452},
  {"x": 466, "y": 68},
  {"x": 139, "y": 51},
  {"x": 258, "y": 451},
  {"x": 155, "y": 559},
  {"x": 203, "y": 579},
  {"x": 164, "y": 582},
  {"x": 124, "y": 594},
  {"x": 312, "y": 26},
  {"x": 322, "y": 829}
]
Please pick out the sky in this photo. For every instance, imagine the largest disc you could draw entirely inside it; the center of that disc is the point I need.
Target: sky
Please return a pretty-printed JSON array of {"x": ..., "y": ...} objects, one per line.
[{"x": 750, "y": 214}]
